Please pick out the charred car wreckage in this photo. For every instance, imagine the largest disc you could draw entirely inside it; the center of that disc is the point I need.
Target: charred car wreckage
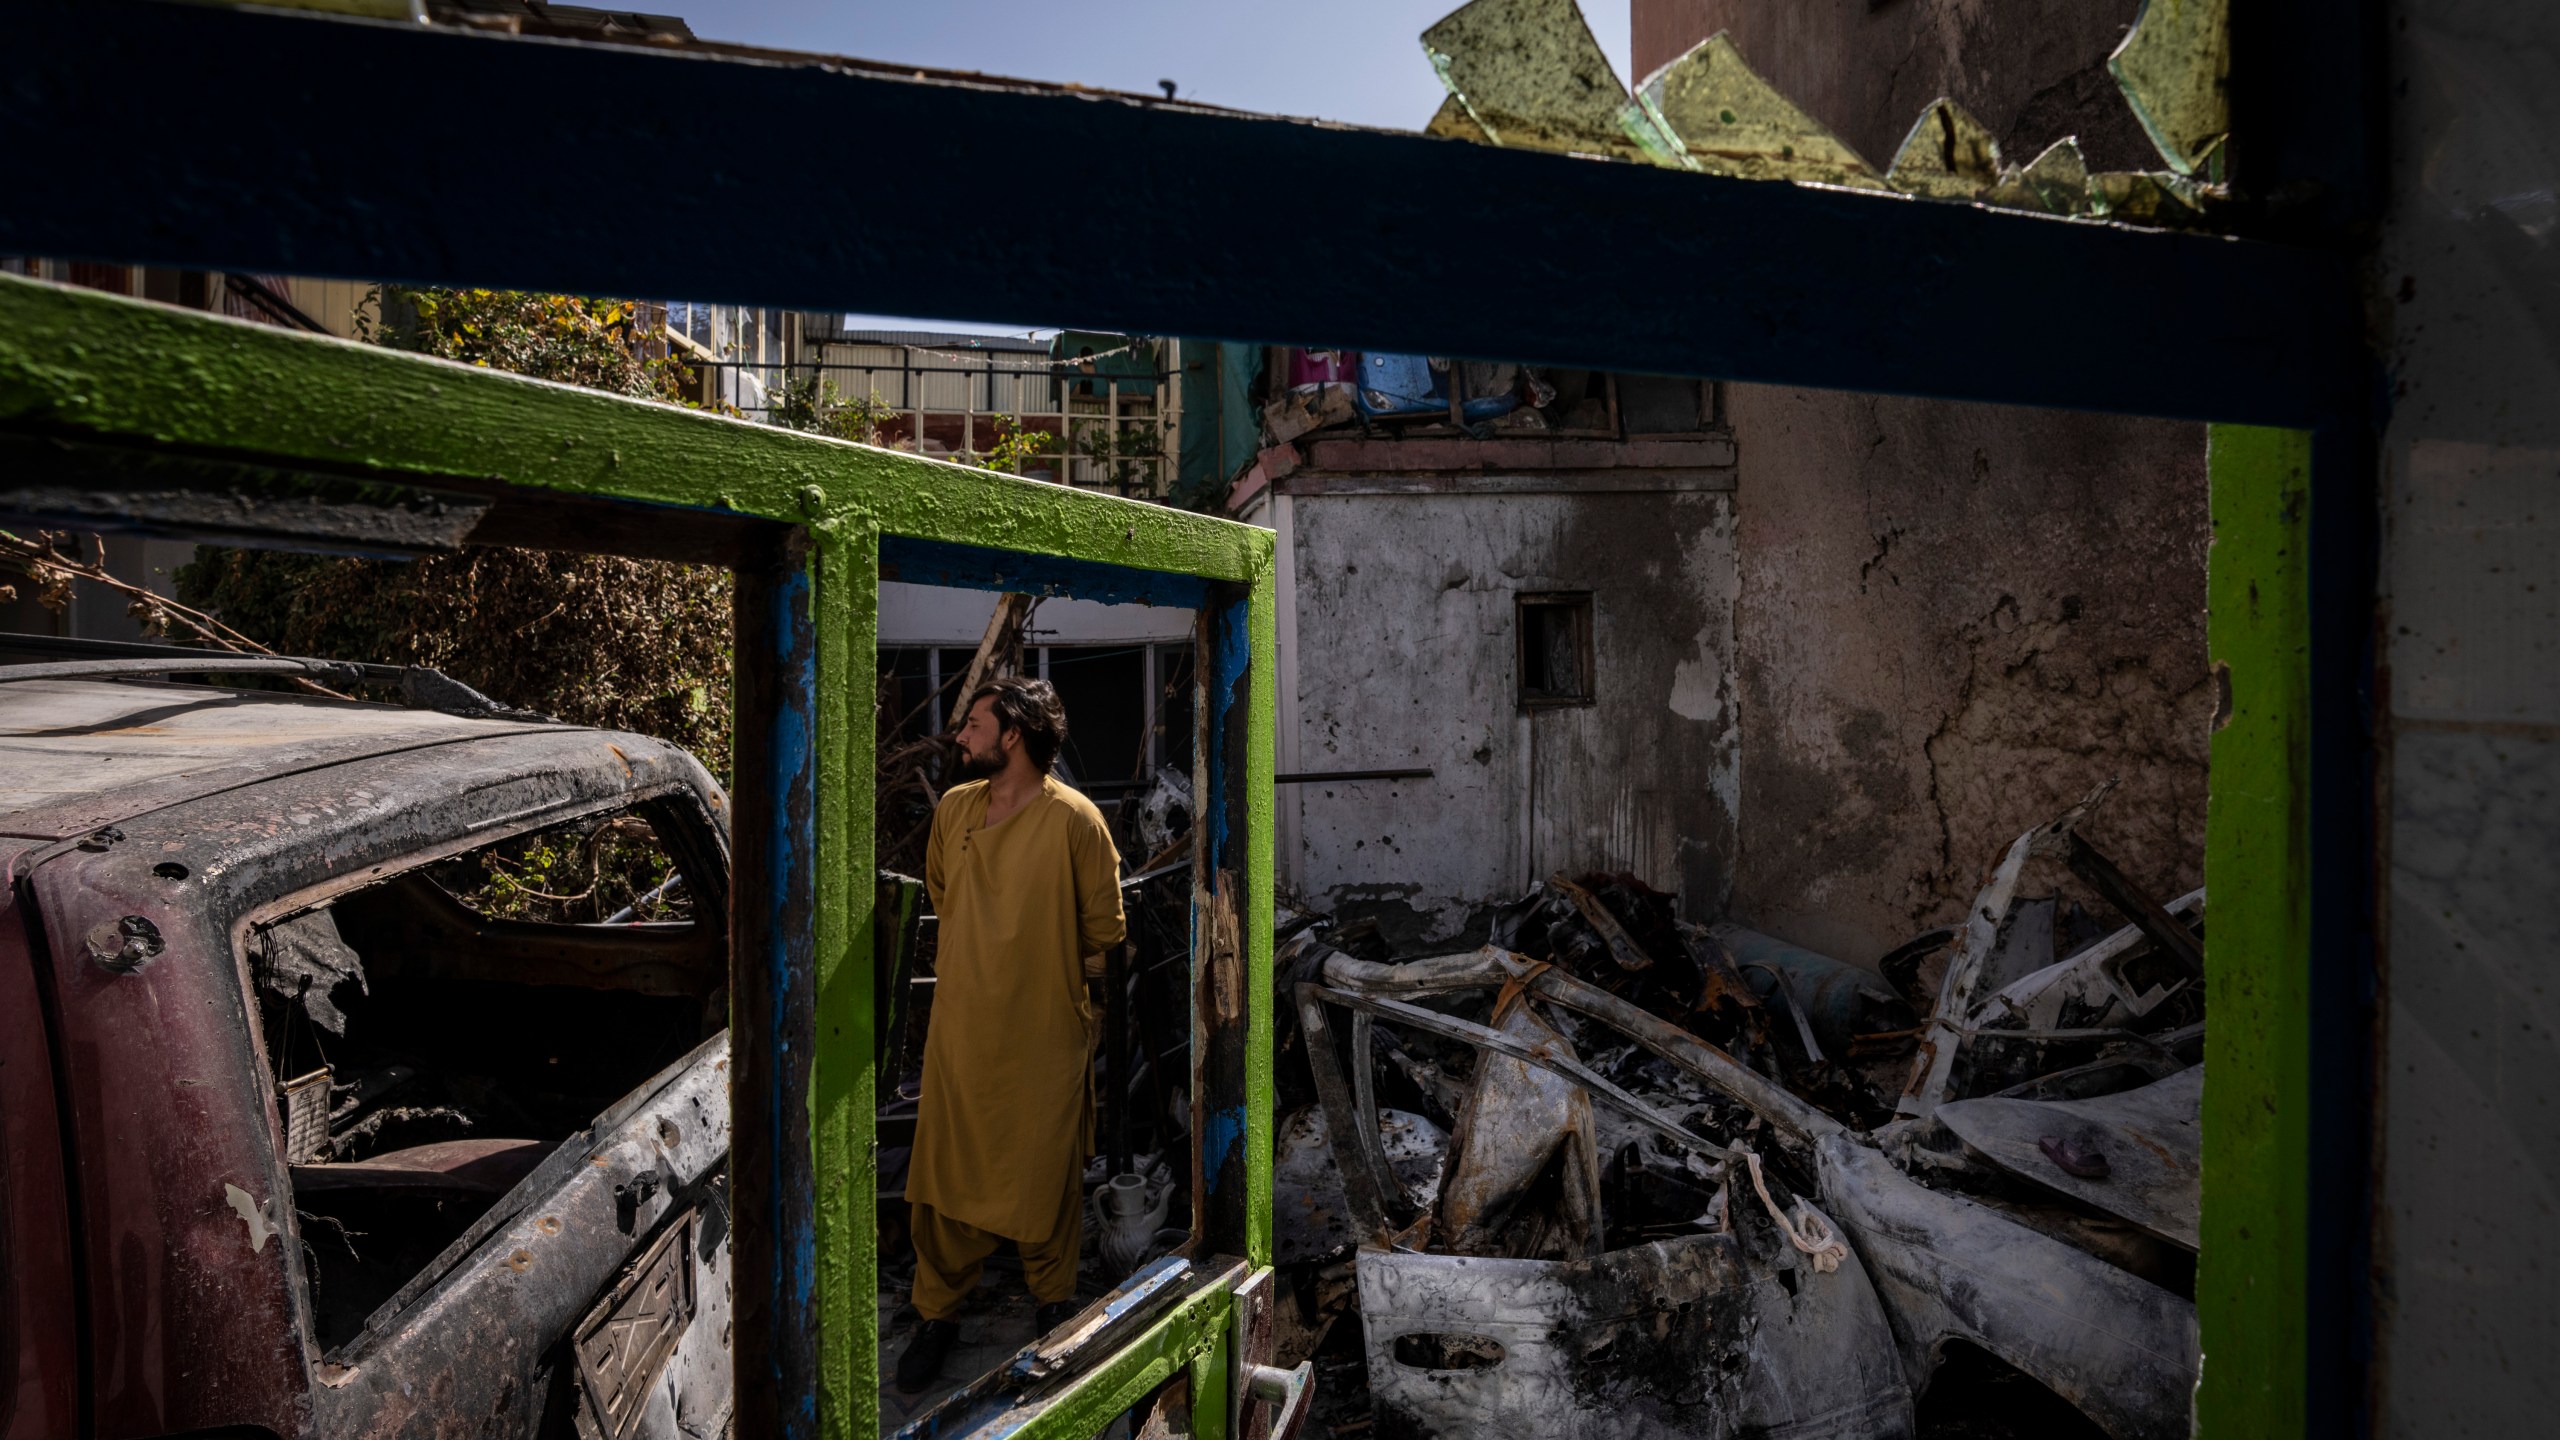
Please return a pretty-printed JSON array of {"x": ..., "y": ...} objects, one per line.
[
  {"x": 330, "y": 1011},
  {"x": 1619, "y": 1174},
  {"x": 341, "y": 1098}
]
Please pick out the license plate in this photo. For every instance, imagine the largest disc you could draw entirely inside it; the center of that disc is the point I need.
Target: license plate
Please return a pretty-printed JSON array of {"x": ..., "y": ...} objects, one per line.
[{"x": 625, "y": 1341}]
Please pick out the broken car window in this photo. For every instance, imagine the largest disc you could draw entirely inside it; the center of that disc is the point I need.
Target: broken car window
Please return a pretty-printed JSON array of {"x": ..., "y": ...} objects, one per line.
[
  {"x": 432, "y": 1038},
  {"x": 611, "y": 871}
]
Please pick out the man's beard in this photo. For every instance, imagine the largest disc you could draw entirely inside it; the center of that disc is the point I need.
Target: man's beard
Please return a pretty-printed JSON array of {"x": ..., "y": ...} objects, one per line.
[{"x": 974, "y": 766}]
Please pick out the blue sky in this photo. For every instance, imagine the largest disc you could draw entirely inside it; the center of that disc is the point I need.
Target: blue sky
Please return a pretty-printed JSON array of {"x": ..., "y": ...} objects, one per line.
[{"x": 1358, "y": 61}]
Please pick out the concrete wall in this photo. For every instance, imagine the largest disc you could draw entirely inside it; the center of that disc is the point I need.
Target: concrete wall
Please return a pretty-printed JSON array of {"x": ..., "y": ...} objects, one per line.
[
  {"x": 2469, "y": 1293},
  {"x": 2032, "y": 70},
  {"x": 1404, "y": 609},
  {"x": 1955, "y": 620}
]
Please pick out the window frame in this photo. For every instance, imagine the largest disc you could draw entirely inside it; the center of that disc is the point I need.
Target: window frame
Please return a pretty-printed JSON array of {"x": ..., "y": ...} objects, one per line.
[{"x": 1581, "y": 607}]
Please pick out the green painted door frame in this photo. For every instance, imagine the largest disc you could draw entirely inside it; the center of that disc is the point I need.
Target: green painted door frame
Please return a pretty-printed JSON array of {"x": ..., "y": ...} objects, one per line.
[
  {"x": 2254, "y": 1263},
  {"x": 108, "y": 370}
]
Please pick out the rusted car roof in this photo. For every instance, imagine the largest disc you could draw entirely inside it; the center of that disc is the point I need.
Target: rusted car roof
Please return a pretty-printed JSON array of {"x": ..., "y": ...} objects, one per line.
[{"x": 76, "y": 755}]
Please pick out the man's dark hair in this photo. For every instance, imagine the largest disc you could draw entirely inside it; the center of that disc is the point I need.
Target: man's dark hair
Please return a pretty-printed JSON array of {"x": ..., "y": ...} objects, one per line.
[{"x": 1030, "y": 709}]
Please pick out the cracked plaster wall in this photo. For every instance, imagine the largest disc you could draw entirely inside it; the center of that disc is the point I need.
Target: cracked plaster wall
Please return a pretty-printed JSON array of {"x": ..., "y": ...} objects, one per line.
[
  {"x": 1954, "y": 620},
  {"x": 2032, "y": 70}
]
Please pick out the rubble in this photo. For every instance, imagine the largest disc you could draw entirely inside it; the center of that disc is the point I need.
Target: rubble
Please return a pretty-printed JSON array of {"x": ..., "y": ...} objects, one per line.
[
  {"x": 1698, "y": 1181},
  {"x": 2137, "y": 1154},
  {"x": 1312, "y": 1217},
  {"x": 1520, "y": 1120},
  {"x": 1840, "y": 1003}
]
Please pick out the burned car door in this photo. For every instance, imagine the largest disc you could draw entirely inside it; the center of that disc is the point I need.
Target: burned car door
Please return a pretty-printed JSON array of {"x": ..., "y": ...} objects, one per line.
[{"x": 618, "y": 1244}]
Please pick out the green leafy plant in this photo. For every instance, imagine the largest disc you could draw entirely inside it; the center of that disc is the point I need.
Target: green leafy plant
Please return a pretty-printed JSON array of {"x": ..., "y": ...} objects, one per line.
[
  {"x": 1128, "y": 454},
  {"x": 600, "y": 344},
  {"x": 1015, "y": 445},
  {"x": 585, "y": 872},
  {"x": 638, "y": 645},
  {"x": 814, "y": 404}
]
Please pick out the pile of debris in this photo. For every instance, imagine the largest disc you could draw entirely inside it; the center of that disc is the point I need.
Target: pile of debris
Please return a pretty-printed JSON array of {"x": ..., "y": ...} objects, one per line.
[{"x": 1619, "y": 1174}]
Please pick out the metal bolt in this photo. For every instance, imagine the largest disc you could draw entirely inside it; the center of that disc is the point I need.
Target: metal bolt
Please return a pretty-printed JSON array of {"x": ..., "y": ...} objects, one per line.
[{"x": 122, "y": 945}]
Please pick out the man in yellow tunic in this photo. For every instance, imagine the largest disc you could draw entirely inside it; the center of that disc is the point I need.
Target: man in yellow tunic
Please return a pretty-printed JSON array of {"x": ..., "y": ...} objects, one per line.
[{"x": 1026, "y": 883}]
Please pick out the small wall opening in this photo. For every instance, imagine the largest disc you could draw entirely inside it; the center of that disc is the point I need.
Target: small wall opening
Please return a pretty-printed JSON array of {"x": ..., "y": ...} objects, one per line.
[{"x": 1555, "y": 649}]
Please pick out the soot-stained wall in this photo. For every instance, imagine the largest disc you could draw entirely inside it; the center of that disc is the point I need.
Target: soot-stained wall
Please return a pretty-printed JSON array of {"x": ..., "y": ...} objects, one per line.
[
  {"x": 1953, "y": 622},
  {"x": 1404, "y": 618}
]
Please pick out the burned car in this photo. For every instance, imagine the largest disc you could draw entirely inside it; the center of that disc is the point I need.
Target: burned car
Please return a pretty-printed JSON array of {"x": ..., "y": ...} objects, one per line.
[
  {"x": 1618, "y": 1174},
  {"x": 331, "y": 1109}
]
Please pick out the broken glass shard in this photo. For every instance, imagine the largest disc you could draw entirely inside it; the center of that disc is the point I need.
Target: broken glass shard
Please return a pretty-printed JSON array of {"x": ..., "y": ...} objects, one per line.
[
  {"x": 1948, "y": 155},
  {"x": 2174, "y": 70},
  {"x": 2147, "y": 197},
  {"x": 2055, "y": 182},
  {"x": 1452, "y": 122},
  {"x": 1528, "y": 73},
  {"x": 1709, "y": 111}
]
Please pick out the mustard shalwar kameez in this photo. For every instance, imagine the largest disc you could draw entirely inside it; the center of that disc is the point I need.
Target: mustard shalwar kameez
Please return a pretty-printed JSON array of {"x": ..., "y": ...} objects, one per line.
[{"x": 1005, "y": 1123}]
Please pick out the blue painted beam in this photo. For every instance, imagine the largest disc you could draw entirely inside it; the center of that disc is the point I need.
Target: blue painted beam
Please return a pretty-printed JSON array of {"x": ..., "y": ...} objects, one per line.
[
  {"x": 364, "y": 149},
  {"x": 1223, "y": 1043},
  {"x": 773, "y": 989}
]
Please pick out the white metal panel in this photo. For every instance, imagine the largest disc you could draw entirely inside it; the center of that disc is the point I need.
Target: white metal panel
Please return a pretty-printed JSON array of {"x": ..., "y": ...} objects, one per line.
[
  {"x": 1021, "y": 392},
  {"x": 887, "y": 379},
  {"x": 946, "y": 392},
  {"x": 333, "y": 303},
  {"x": 939, "y": 615}
]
